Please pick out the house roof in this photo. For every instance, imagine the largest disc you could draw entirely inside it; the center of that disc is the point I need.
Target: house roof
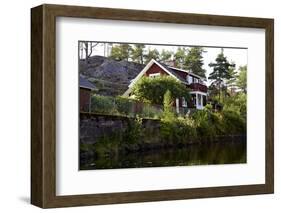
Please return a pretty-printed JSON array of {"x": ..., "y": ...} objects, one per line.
[
  {"x": 84, "y": 83},
  {"x": 171, "y": 69},
  {"x": 189, "y": 72}
]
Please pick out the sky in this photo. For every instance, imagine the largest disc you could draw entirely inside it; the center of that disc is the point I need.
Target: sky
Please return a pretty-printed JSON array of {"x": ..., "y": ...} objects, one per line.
[{"x": 237, "y": 55}]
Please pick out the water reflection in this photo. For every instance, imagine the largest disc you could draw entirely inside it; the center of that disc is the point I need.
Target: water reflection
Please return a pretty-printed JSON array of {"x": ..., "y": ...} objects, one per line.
[{"x": 197, "y": 154}]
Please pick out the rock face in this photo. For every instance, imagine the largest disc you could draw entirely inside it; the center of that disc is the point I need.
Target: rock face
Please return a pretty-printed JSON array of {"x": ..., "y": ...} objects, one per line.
[{"x": 109, "y": 76}]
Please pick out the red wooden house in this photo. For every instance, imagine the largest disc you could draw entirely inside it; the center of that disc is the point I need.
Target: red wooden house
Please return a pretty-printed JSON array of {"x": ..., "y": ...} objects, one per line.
[{"x": 189, "y": 79}]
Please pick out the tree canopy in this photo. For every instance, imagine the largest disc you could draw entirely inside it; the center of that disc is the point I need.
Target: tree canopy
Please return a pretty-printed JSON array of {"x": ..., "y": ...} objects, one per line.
[
  {"x": 138, "y": 53},
  {"x": 242, "y": 79},
  {"x": 222, "y": 70},
  {"x": 151, "y": 54},
  {"x": 152, "y": 90},
  {"x": 121, "y": 52},
  {"x": 194, "y": 61}
]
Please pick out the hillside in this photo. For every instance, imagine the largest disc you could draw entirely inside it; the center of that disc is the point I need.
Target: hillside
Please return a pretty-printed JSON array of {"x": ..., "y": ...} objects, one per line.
[{"x": 109, "y": 76}]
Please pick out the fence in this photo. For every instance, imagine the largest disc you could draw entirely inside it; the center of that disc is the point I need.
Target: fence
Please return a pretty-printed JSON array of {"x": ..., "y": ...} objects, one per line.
[{"x": 127, "y": 107}]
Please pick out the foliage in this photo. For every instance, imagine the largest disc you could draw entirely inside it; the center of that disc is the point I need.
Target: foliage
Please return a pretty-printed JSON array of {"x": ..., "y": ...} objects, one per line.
[
  {"x": 230, "y": 82},
  {"x": 133, "y": 133},
  {"x": 151, "y": 54},
  {"x": 121, "y": 52},
  {"x": 166, "y": 55},
  {"x": 103, "y": 104},
  {"x": 194, "y": 61},
  {"x": 152, "y": 90},
  {"x": 149, "y": 111},
  {"x": 179, "y": 57},
  {"x": 221, "y": 71},
  {"x": 168, "y": 104},
  {"x": 138, "y": 53},
  {"x": 233, "y": 123},
  {"x": 177, "y": 130},
  {"x": 242, "y": 79},
  {"x": 123, "y": 106},
  {"x": 236, "y": 103}
]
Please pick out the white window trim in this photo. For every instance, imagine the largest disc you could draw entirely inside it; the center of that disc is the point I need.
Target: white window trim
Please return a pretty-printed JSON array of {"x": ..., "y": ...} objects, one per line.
[
  {"x": 153, "y": 75},
  {"x": 189, "y": 79},
  {"x": 184, "y": 102}
]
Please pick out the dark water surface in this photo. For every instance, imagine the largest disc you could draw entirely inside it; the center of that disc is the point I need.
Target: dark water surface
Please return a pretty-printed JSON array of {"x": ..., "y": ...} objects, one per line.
[{"x": 197, "y": 154}]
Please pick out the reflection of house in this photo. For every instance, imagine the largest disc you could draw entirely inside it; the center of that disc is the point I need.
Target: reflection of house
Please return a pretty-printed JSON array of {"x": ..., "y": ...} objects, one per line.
[
  {"x": 192, "y": 81},
  {"x": 85, "y": 88}
]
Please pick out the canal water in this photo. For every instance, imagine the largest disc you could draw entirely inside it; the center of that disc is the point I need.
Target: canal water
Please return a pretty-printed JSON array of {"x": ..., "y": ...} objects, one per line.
[{"x": 196, "y": 154}]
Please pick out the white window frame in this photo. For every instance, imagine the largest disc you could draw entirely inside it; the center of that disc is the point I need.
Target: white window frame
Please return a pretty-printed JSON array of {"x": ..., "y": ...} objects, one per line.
[
  {"x": 199, "y": 97},
  {"x": 189, "y": 79},
  {"x": 153, "y": 75},
  {"x": 184, "y": 102}
]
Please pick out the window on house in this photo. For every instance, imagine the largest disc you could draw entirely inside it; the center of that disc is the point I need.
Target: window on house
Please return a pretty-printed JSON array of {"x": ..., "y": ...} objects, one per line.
[
  {"x": 195, "y": 80},
  {"x": 199, "y": 99},
  {"x": 189, "y": 79},
  {"x": 154, "y": 75},
  {"x": 193, "y": 99},
  {"x": 184, "y": 102},
  {"x": 204, "y": 100}
]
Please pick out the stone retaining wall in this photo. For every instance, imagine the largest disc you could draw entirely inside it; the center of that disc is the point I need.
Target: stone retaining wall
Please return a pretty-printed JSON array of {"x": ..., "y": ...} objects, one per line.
[{"x": 95, "y": 126}]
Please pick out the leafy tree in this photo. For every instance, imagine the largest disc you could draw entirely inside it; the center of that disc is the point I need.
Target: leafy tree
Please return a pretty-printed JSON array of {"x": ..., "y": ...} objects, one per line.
[
  {"x": 152, "y": 54},
  {"x": 221, "y": 71},
  {"x": 194, "y": 61},
  {"x": 242, "y": 78},
  {"x": 138, "y": 53},
  {"x": 121, "y": 52},
  {"x": 236, "y": 103},
  {"x": 179, "y": 57},
  {"x": 152, "y": 90},
  {"x": 166, "y": 55}
]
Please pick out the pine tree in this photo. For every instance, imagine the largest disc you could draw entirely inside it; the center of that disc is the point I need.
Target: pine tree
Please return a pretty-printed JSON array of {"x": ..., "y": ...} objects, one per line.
[
  {"x": 138, "y": 53},
  {"x": 231, "y": 81},
  {"x": 166, "y": 55},
  {"x": 194, "y": 61},
  {"x": 152, "y": 54},
  {"x": 121, "y": 52},
  {"x": 242, "y": 79},
  {"x": 221, "y": 71},
  {"x": 179, "y": 57}
]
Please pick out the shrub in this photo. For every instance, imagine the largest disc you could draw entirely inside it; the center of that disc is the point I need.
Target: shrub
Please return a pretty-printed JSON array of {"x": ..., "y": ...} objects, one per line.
[
  {"x": 168, "y": 106},
  {"x": 152, "y": 90},
  {"x": 149, "y": 111},
  {"x": 124, "y": 105},
  {"x": 103, "y": 104},
  {"x": 133, "y": 133},
  {"x": 177, "y": 130},
  {"x": 233, "y": 123}
]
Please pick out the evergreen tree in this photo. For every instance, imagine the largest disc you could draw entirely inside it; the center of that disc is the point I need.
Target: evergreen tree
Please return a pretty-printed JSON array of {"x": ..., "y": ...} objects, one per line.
[
  {"x": 194, "y": 61},
  {"x": 121, "y": 52},
  {"x": 152, "y": 54},
  {"x": 166, "y": 55},
  {"x": 179, "y": 57},
  {"x": 220, "y": 72},
  {"x": 138, "y": 53},
  {"x": 242, "y": 78},
  {"x": 231, "y": 81}
]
